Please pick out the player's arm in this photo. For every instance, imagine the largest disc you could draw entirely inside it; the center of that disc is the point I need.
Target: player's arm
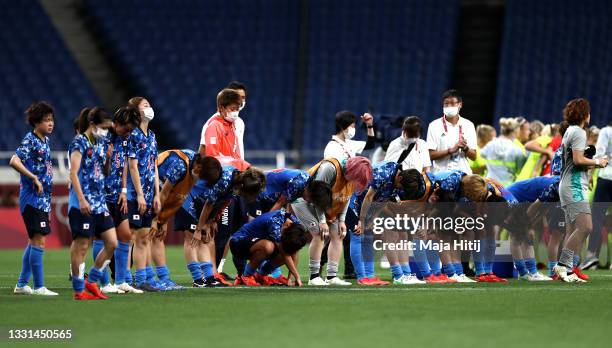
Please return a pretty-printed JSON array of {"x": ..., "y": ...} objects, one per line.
[
  {"x": 282, "y": 201},
  {"x": 156, "y": 199},
  {"x": 203, "y": 222},
  {"x": 369, "y": 197},
  {"x": 17, "y": 164},
  {"x": 165, "y": 191},
  {"x": 107, "y": 163},
  {"x": 538, "y": 167},
  {"x": 534, "y": 146},
  {"x": 135, "y": 175},
  {"x": 75, "y": 165},
  {"x": 471, "y": 153},
  {"x": 123, "y": 195},
  {"x": 291, "y": 265}
]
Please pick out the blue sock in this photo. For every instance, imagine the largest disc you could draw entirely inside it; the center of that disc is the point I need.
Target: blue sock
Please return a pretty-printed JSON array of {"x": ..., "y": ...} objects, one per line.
[
  {"x": 163, "y": 274},
  {"x": 36, "y": 262},
  {"x": 479, "y": 265},
  {"x": 406, "y": 269},
  {"x": 195, "y": 270},
  {"x": 458, "y": 267},
  {"x": 121, "y": 260},
  {"x": 520, "y": 266},
  {"x": 150, "y": 274},
  {"x": 489, "y": 256},
  {"x": 434, "y": 261},
  {"x": 368, "y": 255},
  {"x": 248, "y": 270},
  {"x": 26, "y": 269},
  {"x": 420, "y": 258},
  {"x": 368, "y": 266},
  {"x": 207, "y": 269},
  {"x": 551, "y": 265},
  {"x": 396, "y": 271},
  {"x": 576, "y": 260},
  {"x": 276, "y": 272},
  {"x": 94, "y": 275},
  {"x": 128, "y": 276},
  {"x": 96, "y": 247},
  {"x": 78, "y": 284},
  {"x": 356, "y": 257},
  {"x": 140, "y": 276},
  {"x": 448, "y": 269},
  {"x": 531, "y": 265}
]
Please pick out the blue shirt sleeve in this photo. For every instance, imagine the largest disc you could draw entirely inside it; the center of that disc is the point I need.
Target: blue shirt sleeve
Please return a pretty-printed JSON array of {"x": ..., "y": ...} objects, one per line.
[
  {"x": 24, "y": 150},
  {"x": 176, "y": 171}
]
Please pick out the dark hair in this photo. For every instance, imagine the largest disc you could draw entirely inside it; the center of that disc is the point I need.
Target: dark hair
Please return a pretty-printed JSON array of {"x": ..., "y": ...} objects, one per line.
[
  {"x": 576, "y": 111},
  {"x": 236, "y": 85},
  {"x": 250, "y": 183},
  {"x": 98, "y": 115},
  {"x": 135, "y": 101},
  {"x": 228, "y": 97},
  {"x": 127, "y": 115},
  {"x": 293, "y": 238},
  {"x": 563, "y": 126},
  {"x": 36, "y": 112},
  {"x": 451, "y": 93},
  {"x": 410, "y": 181},
  {"x": 83, "y": 121},
  {"x": 412, "y": 127},
  {"x": 76, "y": 125},
  {"x": 344, "y": 119},
  {"x": 320, "y": 194},
  {"x": 211, "y": 169}
]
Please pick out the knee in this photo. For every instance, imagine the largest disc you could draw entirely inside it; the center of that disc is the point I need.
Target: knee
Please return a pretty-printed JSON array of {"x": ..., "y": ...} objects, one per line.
[{"x": 111, "y": 244}]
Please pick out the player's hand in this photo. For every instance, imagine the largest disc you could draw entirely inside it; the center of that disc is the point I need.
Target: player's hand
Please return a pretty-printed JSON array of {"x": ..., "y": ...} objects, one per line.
[
  {"x": 142, "y": 204},
  {"x": 550, "y": 153},
  {"x": 207, "y": 232},
  {"x": 156, "y": 205},
  {"x": 298, "y": 282},
  {"x": 122, "y": 202},
  {"x": 196, "y": 239},
  {"x": 603, "y": 162},
  {"x": 342, "y": 229},
  {"x": 162, "y": 231},
  {"x": 358, "y": 230},
  {"x": 38, "y": 185},
  {"x": 368, "y": 119},
  {"x": 324, "y": 229},
  {"x": 85, "y": 207}
]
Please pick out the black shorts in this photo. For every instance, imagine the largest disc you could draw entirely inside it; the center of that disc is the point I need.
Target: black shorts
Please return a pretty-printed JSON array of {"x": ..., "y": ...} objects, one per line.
[
  {"x": 138, "y": 220},
  {"x": 115, "y": 212},
  {"x": 184, "y": 222},
  {"x": 556, "y": 219},
  {"x": 241, "y": 248},
  {"x": 36, "y": 221},
  {"x": 257, "y": 208},
  {"x": 89, "y": 225}
]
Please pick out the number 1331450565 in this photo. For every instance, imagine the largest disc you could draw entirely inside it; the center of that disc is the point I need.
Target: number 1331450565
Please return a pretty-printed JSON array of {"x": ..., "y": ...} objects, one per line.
[{"x": 38, "y": 334}]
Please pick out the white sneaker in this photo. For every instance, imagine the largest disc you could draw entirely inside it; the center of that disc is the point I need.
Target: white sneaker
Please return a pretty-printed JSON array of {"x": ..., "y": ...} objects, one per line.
[
  {"x": 573, "y": 278},
  {"x": 318, "y": 281},
  {"x": 338, "y": 281},
  {"x": 411, "y": 280},
  {"x": 127, "y": 288},
  {"x": 524, "y": 276},
  {"x": 561, "y": 271},
  {"x": 111, "y": 289},
  {"x": 44, "y": 292},
  {"x": 538, "y": 277},
  {"x": 462, "y": 278},
  {"x": 24, "y": 290}
]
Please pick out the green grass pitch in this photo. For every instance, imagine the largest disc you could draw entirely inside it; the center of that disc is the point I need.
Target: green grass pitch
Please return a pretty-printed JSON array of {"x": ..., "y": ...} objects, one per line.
[{"x": 517, "y": 314}]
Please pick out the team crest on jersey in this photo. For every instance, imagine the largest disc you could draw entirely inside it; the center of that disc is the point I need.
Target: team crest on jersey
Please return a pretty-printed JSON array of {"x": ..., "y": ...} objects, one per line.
[
  {"x": 257, "y": 212},
  {"x": 136, "y": 217},
  {"x": 193, "y": 227},
  {"x": 106, "y": 213},
  {"x": 43, "y": 224},
  {"x": 85, "y": 226}
]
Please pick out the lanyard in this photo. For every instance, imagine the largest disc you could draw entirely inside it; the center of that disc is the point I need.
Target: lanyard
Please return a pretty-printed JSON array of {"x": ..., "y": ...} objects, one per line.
[
  {"x": 446, "y": 127},
  {"x": 346, "y": 151}
]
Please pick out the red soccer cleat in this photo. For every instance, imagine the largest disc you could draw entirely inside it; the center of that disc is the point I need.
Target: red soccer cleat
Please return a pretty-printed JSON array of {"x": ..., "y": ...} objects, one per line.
[
  {"x": 445, "y": 279},
  {"x": 265, "y": 280},
  {"x": 497, "y": 279},
  {"x": 95, "y": 290},
  {"x": 579, "y": 273},
  {"x": 221, "y": 279},
  {"x": 85, "y": 296},
  {"x": 377, "y": 281},
  {"x": 249, "y": 281},
  {"x": 433, "y": 279},
  {"x": 282, "y": 280},
  {"x": 483, "y": 278},
  {"x": 364, "y": 281}
]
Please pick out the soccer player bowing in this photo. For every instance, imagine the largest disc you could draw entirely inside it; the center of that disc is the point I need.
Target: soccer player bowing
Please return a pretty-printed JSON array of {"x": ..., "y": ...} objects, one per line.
[
  {"x": 273, "y": 238},
  {"x": 33, "y": 161},
  {"x": 87, "y": 211}
]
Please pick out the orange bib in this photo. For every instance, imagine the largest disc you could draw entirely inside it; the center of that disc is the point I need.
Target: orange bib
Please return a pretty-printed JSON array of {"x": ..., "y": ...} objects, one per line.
[
  {"x": 179, "y": 192},
  {"x": 341, "y": 191}
]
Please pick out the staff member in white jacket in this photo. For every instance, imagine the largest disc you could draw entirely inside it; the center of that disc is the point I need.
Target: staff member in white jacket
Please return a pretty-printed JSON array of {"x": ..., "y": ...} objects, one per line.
[
  {"x": 451, "y": 138},
  {"x": 418, "y": 154}
]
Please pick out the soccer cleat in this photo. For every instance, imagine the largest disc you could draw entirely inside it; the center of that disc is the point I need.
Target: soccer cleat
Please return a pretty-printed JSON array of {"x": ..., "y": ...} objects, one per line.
[
  {"x": 573, "y": 278},
  {"x": 220, "y": 278},
  {"x": 171, "y": 285},
  {"x": 560, "y": 271},
  {"x": 483, "y": 278},
  {"x": 524, "y": 276},
  {"x": 538, "y": 277},
  {"x": 44, "y": 292},
  {"x": 111, "y": 289},
  {"x": 364, "y": 281},
  {"x": 227, "y": 276},
  {"x": 445, "y": 279},
  {"x": 589, "y": 263},
  {"x": 378, "y": 281},
  {"x": 265, "y": 280},
  {"x": 212, "y": 282},
  {"x": 199, "y": 283},
  {"x": 495, "y": 279},
  {"x": 433, "y": 279},
  {"x": 338, "y": 281},
  {"x": 398, "y": 281},
  {"x": 578, "y": 272},
  {"x": 318, "y": 281},
  {"x": 249, "y": 281},
  {"x": 95, "y": 290},
  {"x": 411, "y": 280},
  {"x": 23, "y": 290},
  {"x": 555, "y": 277},
  {"x": 84, "y": 296},
  {"x": 282, "y": 280},
  {"x": 462, "y": 278},
  {"x": 128, "y": 289},
  {"x": 146, "y": 287}
]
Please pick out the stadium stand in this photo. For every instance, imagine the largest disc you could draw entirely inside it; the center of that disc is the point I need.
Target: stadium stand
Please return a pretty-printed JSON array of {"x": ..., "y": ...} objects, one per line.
[
  {"x": 549, "y": 59},
  {"x": 36, "y": 65}
]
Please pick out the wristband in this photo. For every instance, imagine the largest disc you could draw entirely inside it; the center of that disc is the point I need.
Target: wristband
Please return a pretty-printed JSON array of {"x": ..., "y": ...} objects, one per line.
[
  {"x": 370, "y": 127},
  {"x": 124, "y": 190}
]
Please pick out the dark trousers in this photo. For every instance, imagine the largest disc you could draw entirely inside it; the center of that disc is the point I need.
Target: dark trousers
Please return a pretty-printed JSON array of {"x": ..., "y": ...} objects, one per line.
[{"x": 601, "y": 202}]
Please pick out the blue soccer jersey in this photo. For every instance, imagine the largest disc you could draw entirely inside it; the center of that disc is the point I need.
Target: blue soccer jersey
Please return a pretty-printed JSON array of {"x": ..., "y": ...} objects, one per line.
[
  {"x": 287, "y": 182},
  {"x": 267, "y": 226},
  {"x": 542, "y": 188},
  {"x": 555, "y": 164},
  {"x": 35, "y": 155},
  {"x": 221, "y": 191},
  {"x": 143, "y": 147},
  {"x": 90, "y": 174},
  {"x": 113, "y": 181},
  {"x": 449, "y": 182},
  {"x": 173, "y": 168},
  {"x": 383, "y": 181}
]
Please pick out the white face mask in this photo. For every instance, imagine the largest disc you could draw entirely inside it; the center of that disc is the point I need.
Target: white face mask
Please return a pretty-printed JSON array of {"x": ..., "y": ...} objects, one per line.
[
  {"x": 148, "y": 113},
  {"x": 100, "y": 133},
  {"x": 451, "y": 111},
  {"x": 232, "y": 116},
  {"x": 242, "y": 106},
  {"x": 408, "y": 141},
  {"x": 349, "y": 133}
]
